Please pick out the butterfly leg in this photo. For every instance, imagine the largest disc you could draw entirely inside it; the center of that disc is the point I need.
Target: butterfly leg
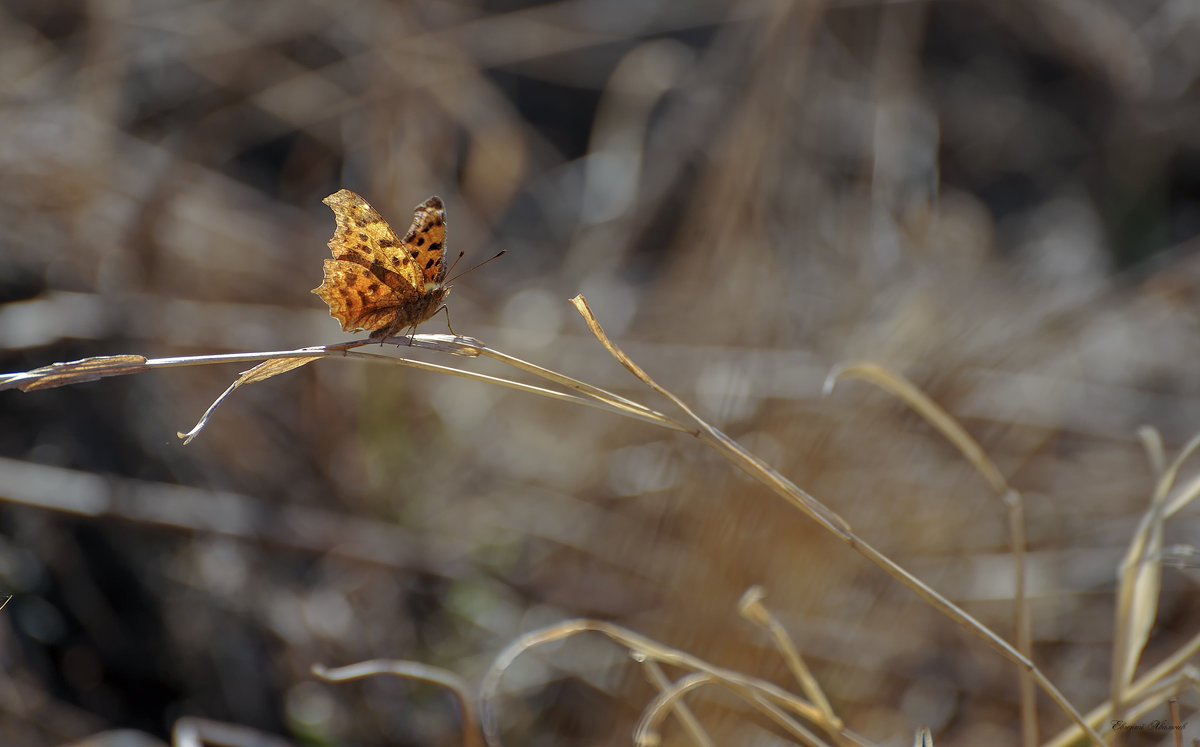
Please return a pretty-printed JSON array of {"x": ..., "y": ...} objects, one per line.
[{"x": 446, "y": 309}]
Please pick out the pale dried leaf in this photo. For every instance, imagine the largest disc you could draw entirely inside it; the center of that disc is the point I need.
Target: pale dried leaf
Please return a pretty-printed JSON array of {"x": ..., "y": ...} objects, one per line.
[{"x": 261, "y": 372}]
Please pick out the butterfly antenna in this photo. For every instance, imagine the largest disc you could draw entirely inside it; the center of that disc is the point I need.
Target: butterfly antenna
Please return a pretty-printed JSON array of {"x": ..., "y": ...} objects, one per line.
[
  {"x": 455, "y": 262},
  {"x": 499, "y": 254}
]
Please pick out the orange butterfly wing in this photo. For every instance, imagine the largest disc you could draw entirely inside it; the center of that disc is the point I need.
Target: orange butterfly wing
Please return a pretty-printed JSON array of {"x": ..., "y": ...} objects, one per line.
[{"x": 377, "y": 281}]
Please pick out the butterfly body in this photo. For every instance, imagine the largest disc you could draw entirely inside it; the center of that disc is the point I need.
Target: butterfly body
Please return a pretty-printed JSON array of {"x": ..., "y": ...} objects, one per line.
[{"x": 377, "y": 281}]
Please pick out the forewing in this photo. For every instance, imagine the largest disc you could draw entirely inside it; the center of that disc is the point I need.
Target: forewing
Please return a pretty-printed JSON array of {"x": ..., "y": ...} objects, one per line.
[{"x": 363, "y": 237}]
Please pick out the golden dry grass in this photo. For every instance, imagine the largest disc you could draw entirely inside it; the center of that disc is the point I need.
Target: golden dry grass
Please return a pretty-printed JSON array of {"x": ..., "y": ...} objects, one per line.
[{"x": 997, "y": 201}]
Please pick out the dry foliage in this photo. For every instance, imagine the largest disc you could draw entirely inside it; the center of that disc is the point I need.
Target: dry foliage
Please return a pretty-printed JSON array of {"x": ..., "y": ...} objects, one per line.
[{"x": 993, "y": 203}]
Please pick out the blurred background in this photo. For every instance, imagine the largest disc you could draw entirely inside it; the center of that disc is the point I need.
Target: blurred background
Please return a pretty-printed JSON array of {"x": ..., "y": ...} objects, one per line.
[{"x": 1000, "y": 200}]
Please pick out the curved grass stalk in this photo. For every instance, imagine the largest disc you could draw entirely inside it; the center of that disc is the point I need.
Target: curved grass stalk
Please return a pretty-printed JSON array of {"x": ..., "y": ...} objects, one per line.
[
  {"x": 752, "y": 608},
  {"x": 275, "y": 362},
  {"x": 838, "y": 526},
  {"x": 643, "y": 649},
  {"x": 687, "y": 719},
  {"x": 1014, "y": 504},
  {"x": 594, "y": 397},
  {"x": 646, "y": 733},
  {"x": 414, "y": 671}
]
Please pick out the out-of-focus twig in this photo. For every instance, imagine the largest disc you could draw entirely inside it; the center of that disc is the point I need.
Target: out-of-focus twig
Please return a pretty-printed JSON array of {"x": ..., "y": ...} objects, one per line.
[
  {"x": 414, "y": 671},
  {"x": 196, "y": 732}
]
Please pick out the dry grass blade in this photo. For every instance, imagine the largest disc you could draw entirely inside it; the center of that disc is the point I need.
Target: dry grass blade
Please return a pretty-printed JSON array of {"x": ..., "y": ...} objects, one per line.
[
  {"x": 274, "y": 363},
  {"x": 1023, "y": 617},
  {"x": 1137, "y": 605},
  {"x": 904, "y": 390},
  {"x": 746, "y": 461},
  {"x": 1183, "y": 497},
  {"x": 752, "y": 608},
  {"x": 687, "y": 719},
  {"x": 643, "y": 649},
  {"x": 585, "y": 311},
  {"x": 950, "y": 429},
  {"x": 968, "y": 622},
  {"x": 1153, "y": 445},
  {"x": 1152, "y": 700},
  {"x": 1142, "y": 690},
  {"x": 414, "y": 671},
  {"x": 1141, "y": 580},
  {"x": 1190, "y": 489},
  {"x": 783, "y": 487},
  {"x": 267, "y": 369},
  {"x": 646, "y": 734},
  {"x": 276, "y": 366},
  {"x": 603, "y": 396},
  {"x": 261, "y": 372},
  {"x": 73, "y": 372}
]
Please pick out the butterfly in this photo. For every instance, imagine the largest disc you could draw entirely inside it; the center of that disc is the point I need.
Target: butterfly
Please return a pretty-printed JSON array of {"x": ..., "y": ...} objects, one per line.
[{"x": 376, "y": 280}]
